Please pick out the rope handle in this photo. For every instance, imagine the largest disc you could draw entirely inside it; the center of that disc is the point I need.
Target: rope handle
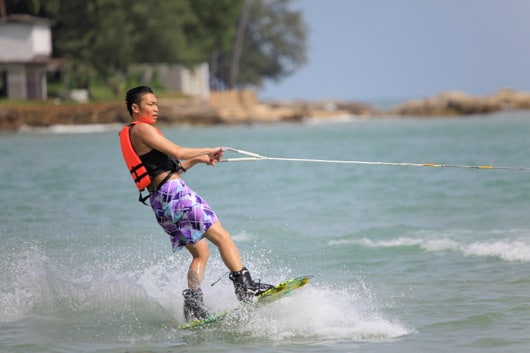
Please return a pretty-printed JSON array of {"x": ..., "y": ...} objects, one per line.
[{"x": 251, "y": 155}]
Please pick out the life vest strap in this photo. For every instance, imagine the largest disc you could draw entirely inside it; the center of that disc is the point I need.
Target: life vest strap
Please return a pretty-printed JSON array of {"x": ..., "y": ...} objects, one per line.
[
  {"x": 143, "y": 198},
  {"x": 134, "y": 172}
]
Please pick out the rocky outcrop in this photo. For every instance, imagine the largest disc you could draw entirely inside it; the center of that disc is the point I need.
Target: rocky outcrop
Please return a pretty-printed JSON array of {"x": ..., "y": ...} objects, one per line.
[
  {"x": 447, "y": 104},
  {"x": 243, "y": 107},
  {"x": 172, "y": 111},
  {"x": 38, "y": 115},
  {"x": 511, "y": 99},
  {"x": 458, "y": 103}
]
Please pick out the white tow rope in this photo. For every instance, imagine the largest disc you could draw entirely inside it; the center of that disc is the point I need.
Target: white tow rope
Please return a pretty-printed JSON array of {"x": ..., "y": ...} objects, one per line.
[{"x": 257, "y": 157}]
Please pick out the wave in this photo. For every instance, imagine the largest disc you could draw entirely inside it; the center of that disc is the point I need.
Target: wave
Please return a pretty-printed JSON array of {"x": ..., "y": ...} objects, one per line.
[
  {"x": 316, "y": 314},
  {"x": 515, "y": 247},
  {"x": 71, "y": 129},
  {"x": 19, "y": 284},
  {"x": 336, "y": 119},
  {"x": 112, "y": 299}
]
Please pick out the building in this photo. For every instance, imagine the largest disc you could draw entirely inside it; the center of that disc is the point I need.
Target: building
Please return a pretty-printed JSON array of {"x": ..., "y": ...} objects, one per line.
[
  {"x": 25, "y": 52},
  {"x": 190, "y": 81},
  {"x": 26, "y": 57}
]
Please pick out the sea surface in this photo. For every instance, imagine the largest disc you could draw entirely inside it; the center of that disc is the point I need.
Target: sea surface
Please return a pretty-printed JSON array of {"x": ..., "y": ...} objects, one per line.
[{"x": 404, "y": 258}]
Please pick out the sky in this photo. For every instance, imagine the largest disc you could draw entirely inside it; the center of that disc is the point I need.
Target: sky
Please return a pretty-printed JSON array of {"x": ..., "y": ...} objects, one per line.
[{"x": 364, "y": 50}]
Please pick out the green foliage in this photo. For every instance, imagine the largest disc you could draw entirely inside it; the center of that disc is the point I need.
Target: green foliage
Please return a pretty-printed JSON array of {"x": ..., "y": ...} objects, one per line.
[
  {"x": 102, "y": 38},
  {"x": 273, "y": 47},
  {"x": 55, "y": 89},
  {"x": 159, "y": 32},
  {"x": 92, "y": 36},
  {"x": 101, "y": 92},
  {"x": 42, "y": 8},
  {"x": 217, "y": 22}
]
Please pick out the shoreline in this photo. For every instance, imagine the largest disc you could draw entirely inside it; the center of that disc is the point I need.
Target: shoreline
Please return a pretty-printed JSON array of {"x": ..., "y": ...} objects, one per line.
[{"x": 233, "y": 108}]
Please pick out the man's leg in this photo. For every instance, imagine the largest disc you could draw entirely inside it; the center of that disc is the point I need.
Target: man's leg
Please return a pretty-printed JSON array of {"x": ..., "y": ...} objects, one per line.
[
  {"x": 200, "y": 255},
  {"x": 193, "y": 300},
  {"x": 220, "y": 237},
  {"x": 245, "y": 287}
]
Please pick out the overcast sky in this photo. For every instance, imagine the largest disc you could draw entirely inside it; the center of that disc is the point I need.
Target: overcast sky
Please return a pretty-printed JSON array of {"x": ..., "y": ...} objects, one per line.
[{"x": 401, "y": 49}]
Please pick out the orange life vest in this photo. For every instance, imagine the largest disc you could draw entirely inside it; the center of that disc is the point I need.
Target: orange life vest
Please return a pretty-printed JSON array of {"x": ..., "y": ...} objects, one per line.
[{"x": 138, "y": 171}]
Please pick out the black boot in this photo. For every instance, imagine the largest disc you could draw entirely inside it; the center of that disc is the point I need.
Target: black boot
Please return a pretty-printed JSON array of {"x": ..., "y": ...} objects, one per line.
[
  {"x": 194, "y": 308},
  {"x": 245, "y": 287}
]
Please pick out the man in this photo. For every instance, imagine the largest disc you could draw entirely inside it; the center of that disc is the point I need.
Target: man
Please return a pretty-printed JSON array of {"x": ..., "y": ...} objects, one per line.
[{"x": 183, "y": 214}]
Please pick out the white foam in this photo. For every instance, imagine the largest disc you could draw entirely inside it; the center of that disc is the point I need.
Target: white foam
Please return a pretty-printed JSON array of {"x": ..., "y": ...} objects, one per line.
[
  {"x": 121, "y": 296},
  {"x": 426, "y": 244},
  {"x": 511, "y": 251},
  {"x": 71, "y": 129},
  {"x": 21, "y": 283},
  {"x": 514, "y": 247},
  {"x": 315, "y": 313}
]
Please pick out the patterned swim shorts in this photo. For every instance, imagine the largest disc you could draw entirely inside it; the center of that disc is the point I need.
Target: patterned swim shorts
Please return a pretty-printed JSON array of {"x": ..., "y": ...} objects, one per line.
[{"x": 182, "y": 213}]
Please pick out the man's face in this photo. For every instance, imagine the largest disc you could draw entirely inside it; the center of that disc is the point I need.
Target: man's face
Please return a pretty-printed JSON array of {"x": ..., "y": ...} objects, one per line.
[{"x": 147, "y": 111}]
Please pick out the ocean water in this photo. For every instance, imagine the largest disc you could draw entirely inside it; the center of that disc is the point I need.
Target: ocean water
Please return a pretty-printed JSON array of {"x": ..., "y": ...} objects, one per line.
[{"x": 404, "y": 259}]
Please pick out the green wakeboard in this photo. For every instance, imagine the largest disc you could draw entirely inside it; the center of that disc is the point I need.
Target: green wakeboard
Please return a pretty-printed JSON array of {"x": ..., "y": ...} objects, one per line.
[{"x": 275, "y": 293}]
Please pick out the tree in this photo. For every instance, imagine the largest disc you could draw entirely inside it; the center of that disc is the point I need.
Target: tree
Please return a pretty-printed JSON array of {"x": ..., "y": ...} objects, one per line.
[
  {"x": 238, "y": 43},
  {"x": 273, "y": 45},
  {"x": 161, "y": 32},
  {"x": 244, "y": 45},
  {"x": 103, "y": 37},
  {"x": 40, "y": 8},
  {"x": 92, "y": 36},
  {"x": 218, "y": 24}
]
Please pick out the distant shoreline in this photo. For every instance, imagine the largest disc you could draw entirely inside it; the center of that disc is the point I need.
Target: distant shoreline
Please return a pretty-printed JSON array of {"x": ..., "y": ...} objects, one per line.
[{"x": 243, "y": 108}]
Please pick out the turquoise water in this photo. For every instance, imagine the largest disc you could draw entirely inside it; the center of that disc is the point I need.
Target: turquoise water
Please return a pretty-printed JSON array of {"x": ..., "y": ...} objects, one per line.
[{"x": 404, "y": 259}]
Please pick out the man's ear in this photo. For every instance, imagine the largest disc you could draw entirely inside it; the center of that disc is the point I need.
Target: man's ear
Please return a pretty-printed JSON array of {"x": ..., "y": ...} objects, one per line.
[{"x": 135, "y": 108}]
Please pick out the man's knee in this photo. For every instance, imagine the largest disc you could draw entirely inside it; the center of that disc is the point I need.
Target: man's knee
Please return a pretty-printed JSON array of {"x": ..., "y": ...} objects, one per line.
[
  {"x": 199, "y": 251},
  {"x": 217, "y": 234}
]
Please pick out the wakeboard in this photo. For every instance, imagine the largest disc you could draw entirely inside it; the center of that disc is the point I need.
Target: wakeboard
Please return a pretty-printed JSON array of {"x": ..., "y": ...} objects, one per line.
[{"x": 275, "y": 293}]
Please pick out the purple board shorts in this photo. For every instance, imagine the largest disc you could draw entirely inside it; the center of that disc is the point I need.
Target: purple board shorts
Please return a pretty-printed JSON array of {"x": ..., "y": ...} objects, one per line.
[{"x": 182, "y": 213}]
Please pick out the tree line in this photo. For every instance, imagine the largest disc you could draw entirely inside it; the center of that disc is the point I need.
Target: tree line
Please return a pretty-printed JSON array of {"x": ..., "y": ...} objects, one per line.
[{"x": 245, "y": 42}]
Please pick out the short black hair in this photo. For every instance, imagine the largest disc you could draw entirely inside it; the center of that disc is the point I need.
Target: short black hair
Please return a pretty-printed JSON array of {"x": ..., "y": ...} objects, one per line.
[{"x": 134, "y": 95}]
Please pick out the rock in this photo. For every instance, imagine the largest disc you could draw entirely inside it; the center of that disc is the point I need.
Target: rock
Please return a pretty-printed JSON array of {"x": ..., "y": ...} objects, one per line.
[
  {"x": 511, "y": 99},
  {"x": 447, "y": 104},
  {"x": 243, "y": 107}
]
